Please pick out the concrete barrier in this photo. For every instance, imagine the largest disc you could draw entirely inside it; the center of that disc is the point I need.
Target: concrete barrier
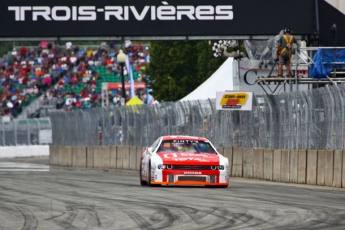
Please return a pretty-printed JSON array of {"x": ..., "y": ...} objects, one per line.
[
  {"x": 119, "y": 157},
  {"x": 53, "y": 154},
  {"x": 132, "y": 158},
  {"x": 277, "y": 153},
  {"x": 248, "y": 163},
  {"x": 293, "y": 174},
  {"x": 329, "y": 167},
  {"x": 343, "y": 171},
  {"x": 140, "y": 151},
  {"x": 125, "y": 159},
  {"x": 312, "y": 156},
  {"x": 67, "y": 156},
  {"x": 302, "y": 166},
  {"x": 314, "y": 167},
  {"x": 79, "y": 157},
  {"x": 97, "y": 161},
  {"x": 321, "y": 167},
  {"x": 285, "y": 166},
  {"x": 24, "y": 151},
  {"x": 220, "y": 150},
  {"x": 61, "y": 151},
  {"x": 113, "y": 154},
  {"x": 268, "y": 164},
  {"x": 337, "y": 172},
  {"x": 237, "y": 162},
  {"x": 258, "y": 159},
  {"x": 89, "y": 157},
  {"x": 228, "y": 154}
]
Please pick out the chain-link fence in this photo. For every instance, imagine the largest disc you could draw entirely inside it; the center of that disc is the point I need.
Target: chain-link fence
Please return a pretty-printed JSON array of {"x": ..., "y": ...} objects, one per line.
[
  {"x": 311, "y": 119},
  {"x": 25, "y": 132}
]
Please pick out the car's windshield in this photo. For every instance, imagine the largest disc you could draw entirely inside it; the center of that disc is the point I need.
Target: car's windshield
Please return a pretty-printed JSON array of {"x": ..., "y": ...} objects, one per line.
[{"x": 186, "y": 146}]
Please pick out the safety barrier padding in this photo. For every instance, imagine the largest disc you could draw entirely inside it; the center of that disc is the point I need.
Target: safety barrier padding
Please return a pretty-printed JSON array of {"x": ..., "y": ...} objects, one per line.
[
  {"x": 338, "y": 161},
  {"x": 293, "y": 174},
  {"x": 302, "y": 166},
  {"x": 285, "y": 166},
  {"x": 248, "y": 162},
  {"x": 258, "y": 158},
  {"x": 268, "y": 164},
  {"x": 237, "y": 162},
  {"x": 329, "y": 156},
  {"x": 228, "y": 154},
  {"x": 312, "y": 156},
  {"x": 277, "y": 153},
  {"x": 321, "y": 167}
]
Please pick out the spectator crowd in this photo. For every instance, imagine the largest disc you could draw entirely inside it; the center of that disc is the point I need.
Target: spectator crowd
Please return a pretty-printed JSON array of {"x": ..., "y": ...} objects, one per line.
[{"x": 67, "y": 77}]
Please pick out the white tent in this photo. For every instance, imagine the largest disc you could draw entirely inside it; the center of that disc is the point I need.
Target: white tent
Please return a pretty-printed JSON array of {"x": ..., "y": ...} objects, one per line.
[{"x": 220, "y": 80}]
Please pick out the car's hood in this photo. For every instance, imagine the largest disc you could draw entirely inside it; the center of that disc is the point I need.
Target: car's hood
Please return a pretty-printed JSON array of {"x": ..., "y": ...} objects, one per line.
[{"x": 187, "y": 158}]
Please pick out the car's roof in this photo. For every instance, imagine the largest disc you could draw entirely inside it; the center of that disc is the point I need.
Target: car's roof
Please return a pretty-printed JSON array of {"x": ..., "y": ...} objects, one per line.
[{"x": 182, "y": 137}]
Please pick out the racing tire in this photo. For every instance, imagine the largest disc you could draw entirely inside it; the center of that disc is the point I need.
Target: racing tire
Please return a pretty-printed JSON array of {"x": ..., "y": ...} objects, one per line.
[
  {"x": 149, "y": 178},
  {"x": 142, "y": 183}
]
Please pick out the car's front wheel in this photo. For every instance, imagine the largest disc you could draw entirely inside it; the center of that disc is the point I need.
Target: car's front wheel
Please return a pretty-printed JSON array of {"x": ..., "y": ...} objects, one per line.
[
  {"x": 149, "y": 178},
  {"x": 140, "y": 176}
]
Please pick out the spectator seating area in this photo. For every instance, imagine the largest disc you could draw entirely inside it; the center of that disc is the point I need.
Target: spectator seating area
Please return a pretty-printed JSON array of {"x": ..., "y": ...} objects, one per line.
[{"x": 67, "y": 78}]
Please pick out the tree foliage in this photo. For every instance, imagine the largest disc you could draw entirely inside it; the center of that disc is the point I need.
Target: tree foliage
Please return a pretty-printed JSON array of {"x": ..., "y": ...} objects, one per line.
[{"x": 176, "y": 68}]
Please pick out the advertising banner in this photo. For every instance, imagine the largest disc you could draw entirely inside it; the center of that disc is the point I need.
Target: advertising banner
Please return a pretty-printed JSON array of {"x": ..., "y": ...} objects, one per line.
[
  {"x": 233, "y": 100},
  {"x": 154, "y": 18}
]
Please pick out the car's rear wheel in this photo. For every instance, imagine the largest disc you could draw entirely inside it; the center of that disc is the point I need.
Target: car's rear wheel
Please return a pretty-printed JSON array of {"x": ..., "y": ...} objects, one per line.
[{"x": 140, "y": 176}]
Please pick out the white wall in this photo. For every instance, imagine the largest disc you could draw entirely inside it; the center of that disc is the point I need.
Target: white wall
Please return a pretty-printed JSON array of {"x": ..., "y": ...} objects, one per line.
[{"x": 24, "y": 151}]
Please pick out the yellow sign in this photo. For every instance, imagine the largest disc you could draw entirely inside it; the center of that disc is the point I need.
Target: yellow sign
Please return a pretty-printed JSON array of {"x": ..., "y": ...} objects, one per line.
[{"x": 234, "y": 100}]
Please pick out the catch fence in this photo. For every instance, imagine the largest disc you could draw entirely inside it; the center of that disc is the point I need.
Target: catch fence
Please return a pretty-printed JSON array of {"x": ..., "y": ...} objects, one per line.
[
  {"x": 311, "y": 119},
  {"x": 25, "y": 131}
]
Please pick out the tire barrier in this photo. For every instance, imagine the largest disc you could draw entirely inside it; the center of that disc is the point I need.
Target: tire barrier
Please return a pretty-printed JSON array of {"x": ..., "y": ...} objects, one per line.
[{"x": 312, "y": 167}]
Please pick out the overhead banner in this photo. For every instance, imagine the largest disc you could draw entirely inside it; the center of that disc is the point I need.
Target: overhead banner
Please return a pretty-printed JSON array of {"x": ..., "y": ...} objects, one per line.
[
  {"x": 154, "y": 18},
  {"x": 234, "y": 100}
]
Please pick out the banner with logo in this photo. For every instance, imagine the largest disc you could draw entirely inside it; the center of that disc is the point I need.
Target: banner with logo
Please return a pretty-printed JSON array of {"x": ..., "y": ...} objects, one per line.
[
  {"x": 234, "y": 100},
  {"x": 154, "y": 18}
]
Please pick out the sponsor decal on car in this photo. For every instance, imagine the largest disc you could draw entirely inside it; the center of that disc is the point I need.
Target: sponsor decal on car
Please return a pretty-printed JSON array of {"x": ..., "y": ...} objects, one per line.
[{"x": 192, "y": 173}]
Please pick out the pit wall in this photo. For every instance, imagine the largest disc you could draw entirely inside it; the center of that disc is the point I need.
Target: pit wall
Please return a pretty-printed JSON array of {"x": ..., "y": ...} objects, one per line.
[{"x": 312, "y": 167}]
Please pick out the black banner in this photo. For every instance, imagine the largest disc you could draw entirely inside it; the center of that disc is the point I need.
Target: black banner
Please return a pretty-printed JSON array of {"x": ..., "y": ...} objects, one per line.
[{"x": 25, "y": 18}]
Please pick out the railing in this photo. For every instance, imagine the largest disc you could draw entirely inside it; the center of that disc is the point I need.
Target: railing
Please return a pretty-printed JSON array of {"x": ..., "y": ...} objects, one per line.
[
  {"x": 311, "y": 119},
  {"x": 25, "y": 132}
]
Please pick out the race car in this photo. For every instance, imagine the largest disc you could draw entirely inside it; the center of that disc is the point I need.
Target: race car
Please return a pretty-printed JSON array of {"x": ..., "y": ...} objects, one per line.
[{"x": 183, "y": 160}]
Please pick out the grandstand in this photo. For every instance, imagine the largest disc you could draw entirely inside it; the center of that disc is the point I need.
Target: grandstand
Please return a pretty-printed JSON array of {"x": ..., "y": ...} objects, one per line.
[{"x": 50, "y": 76}]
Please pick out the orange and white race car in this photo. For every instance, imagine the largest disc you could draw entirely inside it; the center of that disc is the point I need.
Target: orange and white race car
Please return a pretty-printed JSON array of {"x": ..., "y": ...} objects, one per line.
[{"x": 183, "y": 160}]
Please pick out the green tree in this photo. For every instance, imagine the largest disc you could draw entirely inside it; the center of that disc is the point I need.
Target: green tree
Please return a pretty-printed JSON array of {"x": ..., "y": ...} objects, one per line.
[{"x": 176, "y": 68}]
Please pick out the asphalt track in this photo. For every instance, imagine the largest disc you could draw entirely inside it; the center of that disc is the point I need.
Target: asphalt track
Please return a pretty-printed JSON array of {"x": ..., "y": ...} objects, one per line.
[{"x": 35, "y": 196}]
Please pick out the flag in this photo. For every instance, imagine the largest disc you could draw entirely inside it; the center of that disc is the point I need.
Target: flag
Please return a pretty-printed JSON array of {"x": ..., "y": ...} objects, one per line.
[{"x": 130, "y": 74}]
